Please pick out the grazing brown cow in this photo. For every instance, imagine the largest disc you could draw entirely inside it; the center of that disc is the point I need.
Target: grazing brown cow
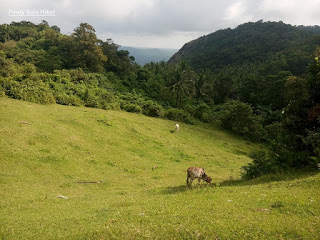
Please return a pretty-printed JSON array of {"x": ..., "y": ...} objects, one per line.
[{"x": 196, "y": 172}]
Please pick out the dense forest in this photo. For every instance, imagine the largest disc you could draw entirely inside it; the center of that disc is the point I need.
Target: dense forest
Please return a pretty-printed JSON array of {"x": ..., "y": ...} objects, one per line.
[
  {"x": 260, "y": 80},
  {"x": 275, "y": 44}
]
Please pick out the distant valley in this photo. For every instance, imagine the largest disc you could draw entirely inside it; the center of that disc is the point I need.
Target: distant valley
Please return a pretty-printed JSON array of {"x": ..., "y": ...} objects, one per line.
[{"x": 146, "y": 55}]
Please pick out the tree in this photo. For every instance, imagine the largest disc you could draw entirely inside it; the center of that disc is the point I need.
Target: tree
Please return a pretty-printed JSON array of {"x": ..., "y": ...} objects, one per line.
[
  {"x": 181, "y": 82},
  {"x": 110, "y": 49},
  {"x": 119, "y": 61},
  {"x": 222, "y": 87},
  {"x": 201, "y": 85},
  {"x": 85, "y": 52},
  {"x": 273, "y": 91},
  {"x": 239, "y": 118}
]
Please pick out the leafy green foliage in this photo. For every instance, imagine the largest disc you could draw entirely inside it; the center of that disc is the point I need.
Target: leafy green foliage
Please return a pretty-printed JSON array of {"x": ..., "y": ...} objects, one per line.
[
  {"x": 238, "y": 117},
  {"x": 180, "y": 82},
  {"x": 85, "y": 52},
  {"x": 132, "y": 102},
  {"x": 152, "y": 109},
  {"x": 178, "y": 115},
  {"x": 262, "y": 163},
  {"x": 203, "y": 112},
  {"x": 294, "y": 143},
  {"x": 30, "y": 89}
]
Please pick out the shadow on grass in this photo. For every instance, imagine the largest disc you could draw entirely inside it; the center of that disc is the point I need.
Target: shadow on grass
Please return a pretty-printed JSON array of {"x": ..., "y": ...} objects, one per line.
[
  {"x": 279, "y": 177},
  {"x": 183, "y": 188}
]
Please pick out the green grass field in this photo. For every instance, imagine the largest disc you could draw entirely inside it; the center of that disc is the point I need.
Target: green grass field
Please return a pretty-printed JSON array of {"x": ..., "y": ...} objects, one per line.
[{"x": 63, "y": 145}]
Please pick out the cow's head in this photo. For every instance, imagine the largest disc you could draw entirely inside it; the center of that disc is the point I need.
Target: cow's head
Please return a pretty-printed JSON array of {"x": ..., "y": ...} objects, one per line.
[
  {"x": 204, "y": 176},
  {"x": 208, "y": 180}
]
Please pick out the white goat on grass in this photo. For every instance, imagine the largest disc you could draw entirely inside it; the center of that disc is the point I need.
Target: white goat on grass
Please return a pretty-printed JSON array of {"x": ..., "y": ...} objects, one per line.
[{"x": 177, "y": 127}]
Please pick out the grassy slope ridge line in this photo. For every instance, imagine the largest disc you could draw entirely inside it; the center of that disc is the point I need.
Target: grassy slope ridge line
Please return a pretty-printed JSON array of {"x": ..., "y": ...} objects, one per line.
[{"x": 63, "y": 145}]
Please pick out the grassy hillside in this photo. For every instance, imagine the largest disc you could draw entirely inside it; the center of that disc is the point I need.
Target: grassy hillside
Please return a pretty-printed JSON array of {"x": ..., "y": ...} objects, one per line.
[{"x": 63, "y": 145}]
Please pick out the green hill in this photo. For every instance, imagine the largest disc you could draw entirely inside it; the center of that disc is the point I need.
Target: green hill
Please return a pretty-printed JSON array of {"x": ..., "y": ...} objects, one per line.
[
  {"x": 47, "y": 149},
  {"x": 252, "y": 42}
]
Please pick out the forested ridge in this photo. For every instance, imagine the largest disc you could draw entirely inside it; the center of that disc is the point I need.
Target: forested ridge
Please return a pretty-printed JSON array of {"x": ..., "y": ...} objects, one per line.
[
  {"x": 278, "y": 44},
  {"x": 260, "y": 80}
]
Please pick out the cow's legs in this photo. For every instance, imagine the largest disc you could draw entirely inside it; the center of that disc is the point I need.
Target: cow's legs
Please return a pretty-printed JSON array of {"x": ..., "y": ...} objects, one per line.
[
  {"x": 199, "y": 179},
  {"x": 191, "y": 180}
]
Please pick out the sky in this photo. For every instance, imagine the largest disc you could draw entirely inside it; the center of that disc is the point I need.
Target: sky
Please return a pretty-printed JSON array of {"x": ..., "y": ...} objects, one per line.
[{"x": 158, "y": 23}]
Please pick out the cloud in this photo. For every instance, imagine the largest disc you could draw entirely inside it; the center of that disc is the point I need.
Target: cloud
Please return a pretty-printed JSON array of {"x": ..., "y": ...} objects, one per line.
[
  {"x": 236, "y": 11},
  {"x": 163, "y": 23},
  {"x": 242, "y": 11},
  {"x": 172, "y": 40},
  {"x": 299, "y": 12}
]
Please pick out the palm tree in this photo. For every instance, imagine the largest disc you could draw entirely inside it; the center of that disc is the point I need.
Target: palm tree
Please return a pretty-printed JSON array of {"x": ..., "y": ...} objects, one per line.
[
  {"x": 201, "y": 86},
  {"x": 198, "y": 86},
  {"x": 181, "y": 82}
]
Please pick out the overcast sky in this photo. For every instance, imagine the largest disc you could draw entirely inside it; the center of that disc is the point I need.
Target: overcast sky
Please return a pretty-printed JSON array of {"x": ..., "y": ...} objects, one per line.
[{"x": 159, "y": 23}]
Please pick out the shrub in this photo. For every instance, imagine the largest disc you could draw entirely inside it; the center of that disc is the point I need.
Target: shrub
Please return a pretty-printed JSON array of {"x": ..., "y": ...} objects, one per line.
[
  {"x": 238, "y": 117},
  {"x": 131, "y": 107},
  {"x": 178, "y": 115},
  {"x": 2, "y": 92},
  {"x": 203, "y": 113},
  {"x": 90, "y": 99},
  {"x": 78, "y": 75},
  {"x": 151, "y": 109},
  {"x": 133, "y": 102},
  {"x": 71, "y": 100},
  {"x": 190, "y": 109},
  {"x": 30, "y": 89},
  {"x": 106, "y": 100},
  {"x": 262, "y": 163}
]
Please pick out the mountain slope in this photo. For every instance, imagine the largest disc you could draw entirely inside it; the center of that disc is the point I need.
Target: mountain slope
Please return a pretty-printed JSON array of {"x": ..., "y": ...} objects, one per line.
[
  {"x": 47, "y": 149},
  {"x": 247, "y": 43}
]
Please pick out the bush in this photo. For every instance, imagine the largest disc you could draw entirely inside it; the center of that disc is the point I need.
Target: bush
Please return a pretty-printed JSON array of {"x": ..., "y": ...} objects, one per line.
[
  {"x": 151, "y": 109},
  {"x": 131, "y": 107},
  {"x": 71, "y": 100},
  {"x": 30, "y": 89},
  {"x": 107, "y": 100},
  {"x": 203, "y": 113},
  {"x": 2, "y": 92},
  {"x": 178, "y": 115},
  {"x": 133, "y": 102},
  {"x": 78, "y": 75},
  {"x": 90, "y": 99},
  {"x": 238, "y": 117},
  {"x": 191, "y": 109},
  {"x": 262, "y": 163}
]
